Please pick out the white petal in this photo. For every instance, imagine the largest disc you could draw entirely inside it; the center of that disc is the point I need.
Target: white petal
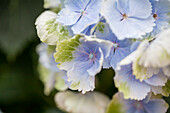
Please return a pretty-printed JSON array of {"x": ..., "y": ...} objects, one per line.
[
  {"x": 157, "y": 54},
  {"x": 166, "y": 70},
  {"x": 48, "y": 30}
]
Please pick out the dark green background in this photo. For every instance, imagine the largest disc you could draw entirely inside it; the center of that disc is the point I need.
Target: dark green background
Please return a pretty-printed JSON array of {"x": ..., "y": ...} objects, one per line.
[{"x": 21, "y": 91}]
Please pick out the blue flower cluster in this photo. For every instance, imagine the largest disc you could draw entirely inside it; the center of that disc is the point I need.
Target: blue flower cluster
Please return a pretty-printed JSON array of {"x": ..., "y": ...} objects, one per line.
[{"x": 130, "y": 36}]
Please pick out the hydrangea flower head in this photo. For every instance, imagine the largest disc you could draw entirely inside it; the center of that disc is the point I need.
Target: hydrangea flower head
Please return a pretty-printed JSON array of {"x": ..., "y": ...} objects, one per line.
[
  {"x": 128, "y": 18},
  {"x": 82, "y": 57},
  {"x": 120, "y": 49},
  {"x": 80, "y": 14},
  {"x": 160, "y": 10},
  {"x": 153, "y": 105}
]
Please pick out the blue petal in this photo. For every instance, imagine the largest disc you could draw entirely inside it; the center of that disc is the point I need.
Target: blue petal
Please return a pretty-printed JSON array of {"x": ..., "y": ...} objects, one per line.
[
  {"x": 106, "y": 63},
  {"x": 47, "y": 59},
  {"x": 122, "y": 6},
  {"x": 139, "y": 111},
  {"x": 129, "y": 85},
  {"x": 139, "y": 8},
  {"x": 135, "y": 46},
  {"x": 86, "y": 20},
  {"x": 97, "y": 65},
  {"x": 106, "y": 34},
  {"x": 68, "y": 17},
  {"x": 82, "y": 83},
  {"x": 131, "y": 27},
  {"x": 124, "y": 43},
  {"x": 161, "y": 8},
  {"x": 116, "y": 54},
  {"x": 156, "y": 106},
  {"x": 83, "y": 62},
  {"x": 119, "y": 55},
  {"x": 104, "y": 45},
  {"x": 74, "y": 5},
  {"x": 94, "y": 5},
  {"x": 158, "y": 79},
  {"x": 88, "y": 31}
]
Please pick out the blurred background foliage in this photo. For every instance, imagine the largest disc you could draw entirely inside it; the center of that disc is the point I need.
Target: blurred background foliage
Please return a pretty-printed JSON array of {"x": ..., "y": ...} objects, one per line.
[{"x": 21, "y": 91}]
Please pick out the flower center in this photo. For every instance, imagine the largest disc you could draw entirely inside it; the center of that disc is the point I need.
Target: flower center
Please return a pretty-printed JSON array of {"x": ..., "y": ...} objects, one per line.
[
  {"x": 125, "y": 16},
  {"x": 82, "y": 12},
  {"x": 155, "y": 16},
  {"x": 115, "y": 45},
  {"x": 91, "y": 55}
]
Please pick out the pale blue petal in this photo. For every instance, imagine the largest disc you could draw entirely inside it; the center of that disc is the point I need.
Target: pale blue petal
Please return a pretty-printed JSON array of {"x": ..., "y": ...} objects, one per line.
[
  {"x": 109, "y": 9},
  {"x": 88, "y": 31},
  {"x": 106, "y": 63},
  {"x": 135, "y": 46},
  {"x": 129, "y": 85},
  {"x": 133, "y": 106},
  {"x": 120, "y": 54},
  {"x": 74, "y": 5},
  {"x": 157, "y": 79},
  {"x": 156, "y": 106},
  {"x": 139, "y": 111},
  {"x": 70, "y": 31},
  {"x": 78, "y": 70},
  {"x": 131, "y": 110},
  {"x": 131, "y": 27},
  {"x": 161, "y": 8},
  {"x": 85, "y": 21},
  {"x": 139, "y": 8},
  {"x": 123, "y": 6},
  {"x": 67, "y": 17},
  {"x": 47, "y": 59},
  {"x": 106, "y": 34},
  {"x": 66, "y": 65},
  {"x": 104, "y": 45},
  {"x": 124, "y": 43},
  {"x": 83, "y": 83},
  {"x": 94, "y": 5},
  {"x": 97, "y": 65}
]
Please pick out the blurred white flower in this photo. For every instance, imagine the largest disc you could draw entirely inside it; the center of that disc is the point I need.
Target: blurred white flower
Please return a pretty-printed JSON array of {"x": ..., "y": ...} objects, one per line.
[
  {"x": 51, "y": 3},
  {"x": 92, "y": 102},
  {"x": 50, "y": 75}
]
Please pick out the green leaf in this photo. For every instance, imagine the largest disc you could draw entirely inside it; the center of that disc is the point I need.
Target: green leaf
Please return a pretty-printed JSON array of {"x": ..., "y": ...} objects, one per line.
[
  {"x": 65, "y": 48},
  {"x": 99, "y": 27},
  {"x": 166, "y": 89},
  {"x": 141, "y": 72}
]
